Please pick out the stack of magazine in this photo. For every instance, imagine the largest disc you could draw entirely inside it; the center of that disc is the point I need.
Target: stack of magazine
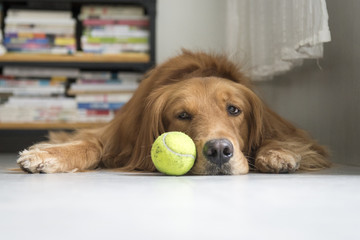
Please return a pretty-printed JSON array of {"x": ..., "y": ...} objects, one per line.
[
  {"x": 39, "y": 31},
  {"x": 114, "y": 29},
  {"x": 99, "y": 94},
  {"x": 36, "y": 95}
]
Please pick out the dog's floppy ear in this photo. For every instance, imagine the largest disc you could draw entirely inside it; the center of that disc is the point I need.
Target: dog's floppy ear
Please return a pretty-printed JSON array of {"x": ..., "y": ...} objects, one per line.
[
  {"x": 128, "y": 138},
  {"x": 150, "y": 126},
  {"x": 255, "y": 117}
]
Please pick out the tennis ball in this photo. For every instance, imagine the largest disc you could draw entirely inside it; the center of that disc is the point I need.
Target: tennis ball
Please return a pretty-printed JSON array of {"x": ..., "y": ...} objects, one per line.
[{"x": 173, "y": 153}]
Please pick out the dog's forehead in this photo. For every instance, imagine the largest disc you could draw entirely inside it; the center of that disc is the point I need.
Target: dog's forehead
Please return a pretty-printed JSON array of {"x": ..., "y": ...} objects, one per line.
[
  {"x": 207, "y": 91},
  {"x": 206, "y": 87}
]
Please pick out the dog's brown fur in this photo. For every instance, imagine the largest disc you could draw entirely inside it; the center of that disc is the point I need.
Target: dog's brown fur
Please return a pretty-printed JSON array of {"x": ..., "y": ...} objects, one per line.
[{"x": 201, "y": 85}]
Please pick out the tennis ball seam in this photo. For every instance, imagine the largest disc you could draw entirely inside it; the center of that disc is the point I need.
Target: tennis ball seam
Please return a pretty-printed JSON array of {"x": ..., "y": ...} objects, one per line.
[{"x": 178, "y": 154}]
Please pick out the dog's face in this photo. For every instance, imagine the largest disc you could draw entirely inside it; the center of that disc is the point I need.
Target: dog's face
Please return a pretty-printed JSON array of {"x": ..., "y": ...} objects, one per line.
[{"x": 213, "y": 112}]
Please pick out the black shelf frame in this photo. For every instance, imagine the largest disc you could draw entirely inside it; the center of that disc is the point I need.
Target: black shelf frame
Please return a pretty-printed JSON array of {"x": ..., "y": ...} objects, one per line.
[
  {"x": 108, "y": 66},
  {"x": 14, "y": 140}
]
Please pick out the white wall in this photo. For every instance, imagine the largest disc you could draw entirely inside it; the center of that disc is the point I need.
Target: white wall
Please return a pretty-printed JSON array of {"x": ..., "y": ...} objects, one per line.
[{"x": 191, "y": 24}]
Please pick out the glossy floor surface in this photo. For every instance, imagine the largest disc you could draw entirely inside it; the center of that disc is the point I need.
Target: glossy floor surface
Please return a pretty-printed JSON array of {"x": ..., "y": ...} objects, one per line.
[{"x": 113, "y": 205}]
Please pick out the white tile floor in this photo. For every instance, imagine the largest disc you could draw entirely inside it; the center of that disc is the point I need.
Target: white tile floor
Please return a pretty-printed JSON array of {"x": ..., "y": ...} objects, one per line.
[{"x": 113, "y": 205}]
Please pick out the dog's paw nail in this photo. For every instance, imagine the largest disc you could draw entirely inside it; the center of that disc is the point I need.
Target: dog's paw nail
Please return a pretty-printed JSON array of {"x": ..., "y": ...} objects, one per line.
[
  {"x": 25, "y": 163},
  {"x": 40, "y": 167}
]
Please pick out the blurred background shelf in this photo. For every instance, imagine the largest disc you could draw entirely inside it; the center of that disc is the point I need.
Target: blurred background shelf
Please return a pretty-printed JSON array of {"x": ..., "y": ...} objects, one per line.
[{"x": 125, "y": 61}]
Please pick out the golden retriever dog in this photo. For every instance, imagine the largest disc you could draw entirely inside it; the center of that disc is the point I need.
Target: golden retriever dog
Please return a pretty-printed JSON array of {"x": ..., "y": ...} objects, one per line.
[{"x": 202, "y": 95}]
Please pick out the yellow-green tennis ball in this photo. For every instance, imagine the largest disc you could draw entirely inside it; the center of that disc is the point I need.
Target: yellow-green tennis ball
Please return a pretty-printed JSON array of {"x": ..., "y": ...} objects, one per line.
[{"x": 173, "y": 153}]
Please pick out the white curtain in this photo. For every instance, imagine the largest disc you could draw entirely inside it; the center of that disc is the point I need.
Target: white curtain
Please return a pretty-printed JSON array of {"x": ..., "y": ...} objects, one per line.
[{"x": 273, "y": 36}]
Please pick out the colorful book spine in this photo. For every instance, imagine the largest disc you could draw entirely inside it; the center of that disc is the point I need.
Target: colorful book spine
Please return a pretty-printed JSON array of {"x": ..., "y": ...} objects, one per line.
[
  {"x": 86, "y": 98},
  {"x": 101, "y": 105},
  {"x": 112, "y": 40},
  {"x": 39, "y": 41},
  {"x": 128, "y": 22},
  {"x": 96, "y": 11},
  {"x": 20, "y": 83}
]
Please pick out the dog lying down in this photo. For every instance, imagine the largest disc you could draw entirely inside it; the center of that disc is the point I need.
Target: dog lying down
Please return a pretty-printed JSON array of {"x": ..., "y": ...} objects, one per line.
[{"x": 202, "y": 95}]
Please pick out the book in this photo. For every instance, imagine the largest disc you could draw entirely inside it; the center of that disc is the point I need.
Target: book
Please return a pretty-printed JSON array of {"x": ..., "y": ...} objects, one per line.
[
  {"x": 94, "y": 115},
  {"x": 30, "y": 94},
  {"x": 98, "y": 75},
  {"x": 114, "y": 40},
  {"x": 33, "y": 90},
  {"x": 40, "y": 72},
  {"x": 34, "y": 99},
  {"x": 38, "y": 109},
  {"x": 103, "y": 48},
  {"x": 114, "y": 29},
  {"x": 97, "y": 81},
  {"x": 105, "y": 11},
  {"x": 92, "y": 98},
  {"x": 49, "y": 21},
  {"x": 24, "y": 82},
  {"x": 62, "y": 102},
  {"x": 28, "y": 13},
  {"x": 22, "y": 40},
  {"x": 114, "y": 32},
  {"x": 38, "y": 94},
  {"x": 142, "y": 21},
  {"x": 99, "y": 87},
  {"x": 130, "y": 76},
  {"x": 95, "y": 112},
  {"x": 109, "y": 77},
  {"x": 101, "y": 105},
  {"x": 39, "y": 31}
]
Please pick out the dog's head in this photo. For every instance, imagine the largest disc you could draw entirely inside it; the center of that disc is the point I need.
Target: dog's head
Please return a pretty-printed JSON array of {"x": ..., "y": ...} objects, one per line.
[
  {"x": 222, "y": 117},
  {"x": 207, "y": 98}
]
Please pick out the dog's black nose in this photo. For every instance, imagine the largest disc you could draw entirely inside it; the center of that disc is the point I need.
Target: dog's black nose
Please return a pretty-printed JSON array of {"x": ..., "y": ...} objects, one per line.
[{"x": 218, "y": 151}]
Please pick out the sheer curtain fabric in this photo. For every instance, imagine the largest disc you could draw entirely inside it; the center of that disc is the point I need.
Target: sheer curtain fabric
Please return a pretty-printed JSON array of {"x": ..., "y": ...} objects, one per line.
[{"x": 273, "y": 36}]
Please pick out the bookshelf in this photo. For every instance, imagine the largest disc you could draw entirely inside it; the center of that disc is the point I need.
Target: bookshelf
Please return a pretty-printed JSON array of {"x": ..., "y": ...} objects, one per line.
[{"x": 15, "y": 136}]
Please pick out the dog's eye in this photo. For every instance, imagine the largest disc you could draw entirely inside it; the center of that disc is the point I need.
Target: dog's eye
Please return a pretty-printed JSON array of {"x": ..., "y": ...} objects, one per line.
[
  {"x": 232, "y": 110},
  {"x": 184, "y": 116}
]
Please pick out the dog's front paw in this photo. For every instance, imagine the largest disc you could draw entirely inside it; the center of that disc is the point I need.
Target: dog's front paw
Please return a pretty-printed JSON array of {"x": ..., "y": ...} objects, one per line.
[
  {"x": 36, "y": 160},
  {"x": 277, "y": 161}
]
